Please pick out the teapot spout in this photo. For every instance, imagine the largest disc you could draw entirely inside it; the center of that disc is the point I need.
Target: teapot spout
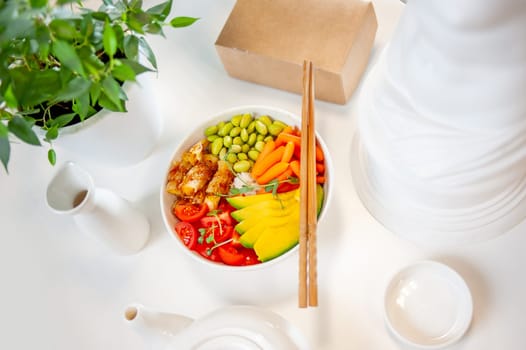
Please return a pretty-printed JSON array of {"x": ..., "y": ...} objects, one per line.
[{"x": 150, "y": 323}]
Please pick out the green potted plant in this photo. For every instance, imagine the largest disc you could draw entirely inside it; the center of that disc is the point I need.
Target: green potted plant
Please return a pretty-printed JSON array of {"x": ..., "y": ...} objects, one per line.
[{"x": 60, "y": 63}]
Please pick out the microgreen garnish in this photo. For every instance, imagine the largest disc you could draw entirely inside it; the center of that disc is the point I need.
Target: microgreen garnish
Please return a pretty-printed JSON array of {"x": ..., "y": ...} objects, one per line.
[{"x": 271, "y": 187}]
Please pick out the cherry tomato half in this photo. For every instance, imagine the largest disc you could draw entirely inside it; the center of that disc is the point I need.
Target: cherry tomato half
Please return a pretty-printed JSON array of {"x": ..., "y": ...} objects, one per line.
[
  {"x": 189, "y": 212},
  {"x": 211, "y": 220},
  {"x": 230, "y": 255},
  {"x": 187, "y": 233}
]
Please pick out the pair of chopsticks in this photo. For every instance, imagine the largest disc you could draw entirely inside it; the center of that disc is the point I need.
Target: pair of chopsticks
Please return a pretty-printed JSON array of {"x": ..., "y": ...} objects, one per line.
[{"x": 308, "y": 286}]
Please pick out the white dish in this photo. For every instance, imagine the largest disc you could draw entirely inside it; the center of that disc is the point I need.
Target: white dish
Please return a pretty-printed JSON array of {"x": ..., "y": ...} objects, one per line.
[
  {"x": 260, "y": 283},
  {"x": 428, "y": 305}
]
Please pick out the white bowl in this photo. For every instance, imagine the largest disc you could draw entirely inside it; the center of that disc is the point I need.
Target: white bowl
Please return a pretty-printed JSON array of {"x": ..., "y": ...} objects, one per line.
[
  {"x": 264, "y": 282},
  {"x": 428, "y": 305}
]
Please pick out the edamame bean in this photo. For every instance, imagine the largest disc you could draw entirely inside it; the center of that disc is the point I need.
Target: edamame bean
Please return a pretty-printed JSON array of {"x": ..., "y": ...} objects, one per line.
[
  {"x": 211, "y": 138},
  {"x": 231, "y": 158},
  {"x": 235, "y": 148},
  {"x": 242, "y": 166},
  {"x": 236, "y": 120},
  {"x": 268, "y": 138},
  {"x": 216, "y": 146},
  {"x": 259, "y": 146},
  {"x": 245, "y": 120},
  {"x": 245, "y": 148},
  {"x": 252, "y": 139},
  {"x": 280, "y": 123},
  {"x": 261, "y": 128},
  {"x": 242, "y": 156},
  {"x": 251, "y": 127},
  {"x": 274, "y": 129},
  {"x": 260, "y": 137},
  {"x": 265, "y": 119},
  {"x": 237, "y": 140},
  {"x": 253, "y": 154},
  {"x": 211, "y": 130},
  {"x": 227, "y": 141},
  {"x": 236, "y": 130},
  {"x": 244, "y": 135},
  {"x": 222, "y": 153},
  {"x": 225, "y": 130}
]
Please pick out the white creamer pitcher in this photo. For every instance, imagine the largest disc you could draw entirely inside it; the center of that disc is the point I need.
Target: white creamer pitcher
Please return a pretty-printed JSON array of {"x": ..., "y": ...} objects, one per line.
[
  {"x": 236, "y": 327},
  {"x": 96, "y": 211}
]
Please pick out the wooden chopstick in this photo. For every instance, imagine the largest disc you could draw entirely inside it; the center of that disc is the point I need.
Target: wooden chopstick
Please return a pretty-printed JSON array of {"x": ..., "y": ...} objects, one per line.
[{"x": 308, "y": 216}]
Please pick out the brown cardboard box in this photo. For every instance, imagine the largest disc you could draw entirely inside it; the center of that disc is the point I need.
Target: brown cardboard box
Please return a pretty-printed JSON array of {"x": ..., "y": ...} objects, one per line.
[{"x": 266, "y": 41}]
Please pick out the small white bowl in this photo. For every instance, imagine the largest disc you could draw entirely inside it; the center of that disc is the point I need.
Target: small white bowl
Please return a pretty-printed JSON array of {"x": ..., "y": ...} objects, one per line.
[
  {"x": 264, "y": 282},
  {"x": 428, "y": 305}
]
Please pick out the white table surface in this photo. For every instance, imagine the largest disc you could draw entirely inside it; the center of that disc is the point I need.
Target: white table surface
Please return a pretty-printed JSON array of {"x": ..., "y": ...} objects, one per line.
[{"x": 60, "y": 289}]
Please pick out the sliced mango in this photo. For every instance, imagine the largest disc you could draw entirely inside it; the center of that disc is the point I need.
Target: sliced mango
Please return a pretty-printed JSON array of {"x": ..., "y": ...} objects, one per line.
[
  {"x": 250, "y": 237},
  {"x": 239, "y": 202},
  {"x": 274, "y": 242},
  {"x": 267, "y": 209}
]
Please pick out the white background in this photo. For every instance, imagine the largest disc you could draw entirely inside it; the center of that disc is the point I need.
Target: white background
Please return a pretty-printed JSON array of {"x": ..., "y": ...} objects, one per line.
[{"x": 60, "y": 289}]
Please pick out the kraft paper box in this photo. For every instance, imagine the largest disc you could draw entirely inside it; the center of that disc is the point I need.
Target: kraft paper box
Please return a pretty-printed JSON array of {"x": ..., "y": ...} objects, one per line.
[{"x": 266, "y": 41}]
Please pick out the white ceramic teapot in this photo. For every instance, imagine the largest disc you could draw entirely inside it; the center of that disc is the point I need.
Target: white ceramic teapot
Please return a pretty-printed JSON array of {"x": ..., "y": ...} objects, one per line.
[{"x": 232, "y": 327}]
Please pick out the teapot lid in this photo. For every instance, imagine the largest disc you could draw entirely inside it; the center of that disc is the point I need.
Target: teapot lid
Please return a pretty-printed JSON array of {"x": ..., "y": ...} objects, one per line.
[{"x": 240, "y": 328}]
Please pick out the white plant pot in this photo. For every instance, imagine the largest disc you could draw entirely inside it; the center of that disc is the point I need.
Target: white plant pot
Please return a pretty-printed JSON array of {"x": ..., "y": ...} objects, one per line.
[
  {"x": 117, "y": 139},
  {"x": 440, "y": 152}
]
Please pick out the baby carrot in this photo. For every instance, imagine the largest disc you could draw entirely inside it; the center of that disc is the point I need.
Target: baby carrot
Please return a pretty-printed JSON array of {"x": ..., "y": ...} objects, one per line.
[
  {"x": 269, "y": 147},
  {"x": 320, "y": 167},
  {"x": 295, "y": 167},
  {"x": 283, "y": 138},
  {"x": 319, "y": 153},
  {"x": 263, "y": 163},
  {"x": 289, "y": 152},
  {"x": 286, "y": 174},
  {"x": 273, "y": 172}
]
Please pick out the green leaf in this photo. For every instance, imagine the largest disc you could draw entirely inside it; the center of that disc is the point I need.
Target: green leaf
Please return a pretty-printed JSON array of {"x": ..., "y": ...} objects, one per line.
[
  {"x": 161, "y": 11},
  {"x": 113, "y": 91},
  {"x": 105, "y": 102},
  {"x": 4, "y": 131},
  {"x": 63, "y": 29},
  {"x": 36, "y": 4},
  {"x": 123, "y": 72},
  {"x": 182, "y": 21},
  {"x": 100, "y": 16},
  {"x": 67, "y": 56},
  {"x": 154, "y": 28},
  {"x": 81, "y": 106},
  {"x": 135, "y": 4},
  {"x": 52, "y": 133},
  {"x": 9, "y": 97},
  {"x": 109, "y": 40},
  {"x": 136, "y": 66},
  {"x": 22, "y": 129},
  {"x": 94, "y": 93},
  {"x": 74, "y": 88},
  {"x": 148, "y": 52},
  {"x": 131, "y": 47},
  {"x": 137, "y": 20},
  {"x": 62, "y": 120},
  {"x": 5, "y": 151},
  {"x": 64, "y": 2},
  {"x": 51, "y": 156}
]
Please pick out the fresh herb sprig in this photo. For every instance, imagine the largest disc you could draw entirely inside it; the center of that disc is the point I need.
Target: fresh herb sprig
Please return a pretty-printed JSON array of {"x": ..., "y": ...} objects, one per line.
[{"x": 207, "y": 234}]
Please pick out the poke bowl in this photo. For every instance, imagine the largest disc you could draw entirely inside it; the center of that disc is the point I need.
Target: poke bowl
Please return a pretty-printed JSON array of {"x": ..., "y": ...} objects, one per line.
[{"x": 230, "y": 201}]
